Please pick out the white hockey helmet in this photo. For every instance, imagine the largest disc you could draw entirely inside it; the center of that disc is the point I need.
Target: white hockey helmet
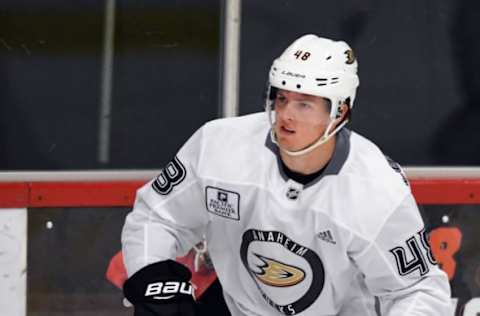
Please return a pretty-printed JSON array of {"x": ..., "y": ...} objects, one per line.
[{"x": 316, "y": 66}]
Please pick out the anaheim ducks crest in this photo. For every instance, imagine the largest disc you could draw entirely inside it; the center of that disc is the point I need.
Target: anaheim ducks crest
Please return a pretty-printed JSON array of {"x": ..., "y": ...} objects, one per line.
[
  {"x": 288, "y": 275},
  {"x": 276, "y": 273}
]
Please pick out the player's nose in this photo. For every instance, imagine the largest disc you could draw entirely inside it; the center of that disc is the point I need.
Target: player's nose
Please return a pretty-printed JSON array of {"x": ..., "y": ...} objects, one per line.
[{"x": 286, "y": 112}]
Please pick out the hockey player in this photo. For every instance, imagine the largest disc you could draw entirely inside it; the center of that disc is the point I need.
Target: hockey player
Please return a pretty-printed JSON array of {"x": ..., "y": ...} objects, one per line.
[{"x": 301, "y": 215}]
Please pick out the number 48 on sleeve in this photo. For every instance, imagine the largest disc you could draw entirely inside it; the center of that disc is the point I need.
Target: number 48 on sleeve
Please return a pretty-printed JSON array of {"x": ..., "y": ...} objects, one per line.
[
  {"x": 441, "y": 247},
  {"x": 419, "y": 257}
]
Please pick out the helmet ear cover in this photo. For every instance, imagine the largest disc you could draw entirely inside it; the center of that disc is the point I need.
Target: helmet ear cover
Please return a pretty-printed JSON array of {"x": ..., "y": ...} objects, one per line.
[{"x": 340, "y": 111}]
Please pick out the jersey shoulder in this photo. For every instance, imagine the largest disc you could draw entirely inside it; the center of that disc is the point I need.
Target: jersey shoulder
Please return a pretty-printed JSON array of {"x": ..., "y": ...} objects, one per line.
[
  {"x": 232, "y": 144},
  {"x": 367, "y": 163},
  {"x": 372, "y": 186},
  {"x": 237, "y": 126}
]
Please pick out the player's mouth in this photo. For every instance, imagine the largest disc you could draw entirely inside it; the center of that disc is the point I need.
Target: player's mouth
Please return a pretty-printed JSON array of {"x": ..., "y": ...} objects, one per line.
[{"x": 286, "y": 130}]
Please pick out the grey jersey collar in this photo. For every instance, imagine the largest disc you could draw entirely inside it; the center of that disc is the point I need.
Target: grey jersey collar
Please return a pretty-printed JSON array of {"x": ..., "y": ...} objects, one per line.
[{"x": 340, "y": 154}]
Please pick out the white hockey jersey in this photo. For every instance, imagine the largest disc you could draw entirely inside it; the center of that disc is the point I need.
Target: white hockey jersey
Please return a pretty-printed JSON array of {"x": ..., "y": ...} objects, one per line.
[{"x": 349, "y": 238}]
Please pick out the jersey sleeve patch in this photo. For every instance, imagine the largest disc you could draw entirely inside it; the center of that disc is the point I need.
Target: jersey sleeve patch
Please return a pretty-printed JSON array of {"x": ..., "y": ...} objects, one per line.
[{"x": 222, "y": 202}]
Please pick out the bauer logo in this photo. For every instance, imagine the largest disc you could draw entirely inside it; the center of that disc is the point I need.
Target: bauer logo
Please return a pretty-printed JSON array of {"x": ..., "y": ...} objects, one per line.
[
  {"x": 223, "y": 203},
  {"x": 168, "y": 290}
]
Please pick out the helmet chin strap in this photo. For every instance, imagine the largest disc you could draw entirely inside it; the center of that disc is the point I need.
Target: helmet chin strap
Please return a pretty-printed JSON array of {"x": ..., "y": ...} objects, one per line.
[{"x": 321, "y": 140}]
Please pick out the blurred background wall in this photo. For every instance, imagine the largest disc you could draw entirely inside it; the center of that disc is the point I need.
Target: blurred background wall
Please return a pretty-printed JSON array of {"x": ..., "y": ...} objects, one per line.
[
  {"x": 418, "y": 61},
  {"x": 165, "y": 81}
]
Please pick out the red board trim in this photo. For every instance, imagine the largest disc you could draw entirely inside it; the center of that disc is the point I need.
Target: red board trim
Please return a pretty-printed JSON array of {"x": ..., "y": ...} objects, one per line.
[
  {"x": 122, "y": 193},
  {"x": 69, "y": 194},
  {"x": 14, "y": 195},
  {"x": 447, "y": 191}
]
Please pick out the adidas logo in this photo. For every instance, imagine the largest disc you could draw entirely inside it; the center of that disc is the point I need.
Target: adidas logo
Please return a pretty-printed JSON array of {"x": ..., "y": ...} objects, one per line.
[{"x": 326, "y": 236}]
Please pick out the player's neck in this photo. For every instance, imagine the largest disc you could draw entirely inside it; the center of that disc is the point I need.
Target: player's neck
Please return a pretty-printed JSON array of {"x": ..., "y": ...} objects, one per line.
[{"x": 312, "y": 161}]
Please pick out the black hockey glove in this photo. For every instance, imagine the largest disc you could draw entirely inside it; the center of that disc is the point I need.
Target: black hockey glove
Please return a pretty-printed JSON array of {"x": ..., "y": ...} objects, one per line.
[{"x": 161, "y": 289}]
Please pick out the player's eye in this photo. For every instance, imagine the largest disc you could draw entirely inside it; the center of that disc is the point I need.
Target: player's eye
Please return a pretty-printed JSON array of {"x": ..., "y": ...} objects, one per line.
[
  {"x": 304, "y": 105},
  {"x": 281, "y": 98}
]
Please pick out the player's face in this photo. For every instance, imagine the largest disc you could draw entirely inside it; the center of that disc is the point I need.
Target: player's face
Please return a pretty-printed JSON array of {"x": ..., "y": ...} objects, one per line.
[{"x": 300, "y": 119}]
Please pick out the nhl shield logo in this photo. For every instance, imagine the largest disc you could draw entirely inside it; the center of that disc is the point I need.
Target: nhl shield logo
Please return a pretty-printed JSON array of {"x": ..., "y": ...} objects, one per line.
[{"x": 292, "y": 193}]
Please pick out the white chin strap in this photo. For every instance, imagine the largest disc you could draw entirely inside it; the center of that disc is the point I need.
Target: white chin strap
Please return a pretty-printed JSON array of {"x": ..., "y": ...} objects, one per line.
[{"x": 322, "y": 140}]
